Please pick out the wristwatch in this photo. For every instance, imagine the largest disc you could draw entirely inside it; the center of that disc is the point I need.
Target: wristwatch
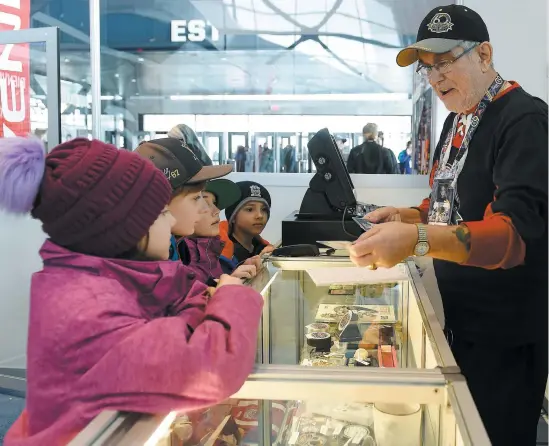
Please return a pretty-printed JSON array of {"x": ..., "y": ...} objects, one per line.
[{"x": 422, "y": 246}]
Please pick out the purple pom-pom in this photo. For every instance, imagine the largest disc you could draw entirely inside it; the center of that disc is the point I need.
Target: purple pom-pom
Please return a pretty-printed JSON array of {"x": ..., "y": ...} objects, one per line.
[{"x": 22, "y": 165}]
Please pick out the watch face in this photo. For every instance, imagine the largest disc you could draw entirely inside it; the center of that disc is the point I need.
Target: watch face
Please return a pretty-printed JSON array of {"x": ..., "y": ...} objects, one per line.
[{"x": 421, "y": 249}]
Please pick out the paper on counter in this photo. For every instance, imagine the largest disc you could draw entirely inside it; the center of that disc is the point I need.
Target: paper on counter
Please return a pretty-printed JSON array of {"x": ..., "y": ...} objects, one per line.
[
  {"x": 335, "y": 244},
  {"x": 356, "y": 275}
]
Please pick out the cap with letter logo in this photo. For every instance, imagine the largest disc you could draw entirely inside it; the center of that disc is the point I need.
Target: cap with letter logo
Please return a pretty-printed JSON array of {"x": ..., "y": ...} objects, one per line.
[
  {"x": 178, "y": 163},
  {"x": 444, "y": 28}
]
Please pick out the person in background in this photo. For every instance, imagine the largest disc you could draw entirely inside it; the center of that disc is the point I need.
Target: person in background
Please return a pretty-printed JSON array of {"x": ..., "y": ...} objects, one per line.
[
  {"x": 266, "y": 159},
  {"x": 189, "y": 139},
  {"x": 202, "y": 250},
  {"x": 289, "y": 159},
  {"x": 390, "y": 153},
  {"x": 491, "y": 259},
  {"x": 370, "y": 157},
  {"x": 240, "y": 159},
  {"x": 113, "y": 325},
  {"x": 245, "y": 221},
  {"x": 405, "y": 160}
]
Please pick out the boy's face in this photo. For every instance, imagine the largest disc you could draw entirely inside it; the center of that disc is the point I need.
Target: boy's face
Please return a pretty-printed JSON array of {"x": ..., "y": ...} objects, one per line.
[
  {"x": 208, "y": 224},
  {"x": 252, "y": 218},
  {"x": 187, "y": 209}
]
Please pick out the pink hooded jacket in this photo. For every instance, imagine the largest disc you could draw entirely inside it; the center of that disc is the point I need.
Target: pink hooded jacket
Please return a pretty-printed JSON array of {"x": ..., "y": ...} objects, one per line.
[{"x": 131, "y": 336}]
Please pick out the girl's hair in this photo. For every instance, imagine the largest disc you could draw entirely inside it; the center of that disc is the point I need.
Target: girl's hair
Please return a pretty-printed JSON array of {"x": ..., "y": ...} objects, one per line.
[
  {"x": 187, "y": 189},
  {"x": 137, "y": 252}
]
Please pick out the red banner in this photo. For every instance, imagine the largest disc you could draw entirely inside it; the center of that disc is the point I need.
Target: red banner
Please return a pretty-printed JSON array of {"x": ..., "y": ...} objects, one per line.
[{"x": 14, "y": 71}]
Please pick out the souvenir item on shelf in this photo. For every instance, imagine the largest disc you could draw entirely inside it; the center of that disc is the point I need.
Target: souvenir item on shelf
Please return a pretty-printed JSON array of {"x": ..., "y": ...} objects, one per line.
[
  {"x": 182, "y": 428},
  {"x": 361, "y": 357},
  {"x": 245, "y": 414},
  {"x": 321, "y": 341},
  {"x": 356, "y": 433},
  {"x": 341, "y": 290},
  {"x": 375, "y": 290},
  {"x": 364, "y": 313},
  {"x": 370, "y": 337},
  {"x": 308, "y": 440},
  {"x": 326, "y": 361},
  {"x": 397, "y": 424},
  {"x": 349, "y": 331},
  {"x": 317, "y": 327},
  {"x": 386, "y": 356}
]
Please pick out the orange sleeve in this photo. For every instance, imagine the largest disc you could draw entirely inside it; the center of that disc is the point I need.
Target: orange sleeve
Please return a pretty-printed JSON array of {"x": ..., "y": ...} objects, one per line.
[
  {"x": 495, "y": 242},
  {"x": 228, "y": 246}
]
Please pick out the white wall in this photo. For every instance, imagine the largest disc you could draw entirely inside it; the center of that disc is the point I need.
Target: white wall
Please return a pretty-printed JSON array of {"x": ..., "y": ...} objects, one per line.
[
  {"x": 518, "y": 33},
  {"x": 20, "y": 240}
]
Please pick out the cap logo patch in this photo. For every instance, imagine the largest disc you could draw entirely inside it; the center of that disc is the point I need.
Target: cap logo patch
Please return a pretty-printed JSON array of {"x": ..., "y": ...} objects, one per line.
[
  {"x": 440, "y": 23},
  {"x": 171, "y": 174},
  {"x": 255, "y": 191}
]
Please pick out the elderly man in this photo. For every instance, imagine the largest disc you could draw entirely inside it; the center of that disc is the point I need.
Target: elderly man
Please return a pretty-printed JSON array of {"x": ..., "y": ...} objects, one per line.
[{"x": 491, "y": 259}]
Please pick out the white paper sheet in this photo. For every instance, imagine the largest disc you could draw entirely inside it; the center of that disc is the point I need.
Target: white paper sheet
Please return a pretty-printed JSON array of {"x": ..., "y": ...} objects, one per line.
[{"x": 356, "y": 275}]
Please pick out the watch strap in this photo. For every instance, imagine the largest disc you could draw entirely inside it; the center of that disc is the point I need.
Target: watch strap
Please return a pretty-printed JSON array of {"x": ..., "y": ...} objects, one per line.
[{"x": 421, "y": 233}]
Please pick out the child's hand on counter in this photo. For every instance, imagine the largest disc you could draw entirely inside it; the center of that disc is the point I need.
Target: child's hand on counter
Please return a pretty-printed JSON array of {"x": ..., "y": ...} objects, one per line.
[
  {"x": 267, "y": 249},
  {"x": 245, "y": 271},
  {"x": 255, "y": 261},
  {"x": 225, "y": 279}
]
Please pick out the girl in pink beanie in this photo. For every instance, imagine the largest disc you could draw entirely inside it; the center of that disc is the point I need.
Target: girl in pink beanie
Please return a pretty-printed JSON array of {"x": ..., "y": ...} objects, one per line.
[{"x": 113, "y": 324}]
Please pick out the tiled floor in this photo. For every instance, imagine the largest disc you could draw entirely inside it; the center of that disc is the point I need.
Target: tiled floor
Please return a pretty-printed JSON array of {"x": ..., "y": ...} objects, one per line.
[{"x": 10, "y": 408}]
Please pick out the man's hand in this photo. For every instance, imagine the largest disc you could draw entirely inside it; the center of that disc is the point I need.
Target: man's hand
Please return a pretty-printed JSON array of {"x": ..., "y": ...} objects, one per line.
[
  {"x": 383, "y": 215},
  {"x": 245, "y": 272},
  {"x": 385, "y": 244}
]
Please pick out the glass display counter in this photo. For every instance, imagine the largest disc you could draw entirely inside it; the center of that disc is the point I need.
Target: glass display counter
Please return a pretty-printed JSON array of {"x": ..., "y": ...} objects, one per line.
[
  {"x": 324, "y": 312},
  {"x": 289, "y": 405}
]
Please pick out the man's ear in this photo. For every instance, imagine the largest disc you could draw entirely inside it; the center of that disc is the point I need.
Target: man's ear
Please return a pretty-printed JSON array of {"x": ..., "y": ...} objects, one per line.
[{"x": 486, "y": 54}]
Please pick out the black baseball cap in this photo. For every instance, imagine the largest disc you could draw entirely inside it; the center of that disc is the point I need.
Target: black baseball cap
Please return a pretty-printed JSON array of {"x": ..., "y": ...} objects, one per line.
[
  {"x": 179, "y": 164},
  {"x": 226, "y": 192},
  {"x": 444, "y": 28}
]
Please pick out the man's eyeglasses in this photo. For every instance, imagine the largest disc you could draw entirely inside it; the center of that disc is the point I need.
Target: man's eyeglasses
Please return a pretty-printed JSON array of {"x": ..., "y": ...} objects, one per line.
[{"x": 442, "y": 67}]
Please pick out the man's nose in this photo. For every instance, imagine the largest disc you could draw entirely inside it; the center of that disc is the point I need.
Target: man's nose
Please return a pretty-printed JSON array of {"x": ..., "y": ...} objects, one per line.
[{"x": 435, "y": 77}]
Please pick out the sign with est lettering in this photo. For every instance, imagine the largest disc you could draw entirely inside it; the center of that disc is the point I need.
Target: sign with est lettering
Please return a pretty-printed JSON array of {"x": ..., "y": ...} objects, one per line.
[{"x": 193, "y": 31}]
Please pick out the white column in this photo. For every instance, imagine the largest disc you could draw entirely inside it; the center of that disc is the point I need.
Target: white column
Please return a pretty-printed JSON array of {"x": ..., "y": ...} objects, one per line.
[{"x": 518, "y": 33}]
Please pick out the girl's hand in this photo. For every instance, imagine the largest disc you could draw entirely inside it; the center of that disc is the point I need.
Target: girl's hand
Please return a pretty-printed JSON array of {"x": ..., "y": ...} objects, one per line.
[{"x": 245, "y": 272}]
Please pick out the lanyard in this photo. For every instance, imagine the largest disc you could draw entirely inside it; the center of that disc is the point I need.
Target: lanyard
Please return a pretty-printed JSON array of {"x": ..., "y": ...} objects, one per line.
[{"x": 451, "y": 169}]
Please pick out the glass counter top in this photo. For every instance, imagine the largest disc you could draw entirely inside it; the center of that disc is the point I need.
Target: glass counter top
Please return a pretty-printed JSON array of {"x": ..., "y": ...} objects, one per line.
[
  {"x": 323, "y": 312},
  {"x": 287, "y": 406}
]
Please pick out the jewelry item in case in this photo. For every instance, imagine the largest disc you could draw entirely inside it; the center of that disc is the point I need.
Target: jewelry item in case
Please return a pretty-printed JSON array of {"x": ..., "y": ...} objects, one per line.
[{"x": 321, "y": 341}]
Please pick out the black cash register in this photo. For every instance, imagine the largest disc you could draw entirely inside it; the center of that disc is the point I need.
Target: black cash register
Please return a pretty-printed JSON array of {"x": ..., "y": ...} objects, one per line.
[{"x": 329, "y": 205}]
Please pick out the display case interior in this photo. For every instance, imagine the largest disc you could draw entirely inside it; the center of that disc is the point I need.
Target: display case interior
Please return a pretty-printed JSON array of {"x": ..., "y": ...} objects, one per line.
[
  {"x": 289, "y": 408},
  {"x": 323, "y": 313}
]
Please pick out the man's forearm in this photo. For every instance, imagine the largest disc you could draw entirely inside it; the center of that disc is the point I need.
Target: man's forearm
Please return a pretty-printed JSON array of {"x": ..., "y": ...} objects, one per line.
[
  {"x": 451, "y": 243},
  {"x": 410, "y": 215}
]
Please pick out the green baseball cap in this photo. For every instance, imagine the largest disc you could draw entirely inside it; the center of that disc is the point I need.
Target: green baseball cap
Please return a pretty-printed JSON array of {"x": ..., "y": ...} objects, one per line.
[{"x": 226, "y": 192}]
